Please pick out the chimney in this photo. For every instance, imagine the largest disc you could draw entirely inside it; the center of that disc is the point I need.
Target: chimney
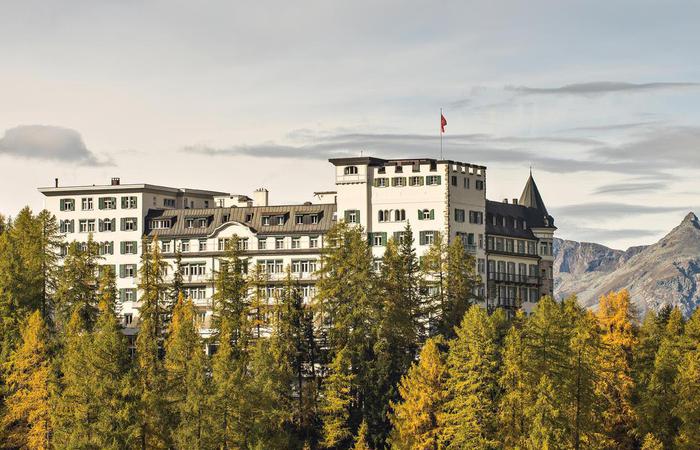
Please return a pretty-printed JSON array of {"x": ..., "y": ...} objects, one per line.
[
  {"x": 505, "y": 200},
  {"x": 515, "y": 201},
  {"x": 56, "y": 181},
  {"x": 115, "y": 181},
  {"x": 260, "y": 197}
]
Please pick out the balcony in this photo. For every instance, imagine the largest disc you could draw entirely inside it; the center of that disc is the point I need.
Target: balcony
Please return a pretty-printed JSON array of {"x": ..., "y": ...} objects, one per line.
[{"x": 503, "y": 277}]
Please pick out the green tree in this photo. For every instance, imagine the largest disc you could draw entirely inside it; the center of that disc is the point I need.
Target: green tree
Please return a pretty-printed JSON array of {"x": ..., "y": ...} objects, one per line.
[
  {"x": 230, "y": 297},
  {"x": 468, "y": 419},
  {"x": 26, "y": 421},
  {"x": 545, "y": 430},
  {"x": 337, "y": 401},
  {"x": 513, "y": 382},
  {"x": 188, "y": 387},
  {"x": 687, "y": 388},
  {"x": 361, "y": 438},
  {"x": 77, "y": 284},
  {"x": 423, "y": 393}
]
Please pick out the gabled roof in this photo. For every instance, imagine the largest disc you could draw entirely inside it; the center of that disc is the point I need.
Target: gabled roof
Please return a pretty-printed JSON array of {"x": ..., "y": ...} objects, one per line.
[{"x": 531, "y": 197}]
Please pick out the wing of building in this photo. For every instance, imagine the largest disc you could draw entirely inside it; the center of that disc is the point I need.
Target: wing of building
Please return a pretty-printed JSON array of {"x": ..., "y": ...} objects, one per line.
[{"x": 511, "y": 241}]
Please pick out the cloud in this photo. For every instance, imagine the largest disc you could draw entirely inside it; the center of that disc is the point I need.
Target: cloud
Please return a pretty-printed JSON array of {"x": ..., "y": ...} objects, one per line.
[
  {"x": 630, "y": 188},
  {"x": 597, "y": 211},
  {"x": 599, "y": 235},
  {"x": 614, "y": 127},
  {"x": 600, "y": 87},
  {"x": 48, "y": 143}
]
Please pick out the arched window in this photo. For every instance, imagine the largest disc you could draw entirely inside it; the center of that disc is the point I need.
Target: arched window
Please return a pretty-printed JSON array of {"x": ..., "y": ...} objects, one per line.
[
  {"x": 403, "y": 215},
  {"x": 351, "y": 170},
  {"x": 381, "y": 215},
  {"x": 387, "y": 215}
]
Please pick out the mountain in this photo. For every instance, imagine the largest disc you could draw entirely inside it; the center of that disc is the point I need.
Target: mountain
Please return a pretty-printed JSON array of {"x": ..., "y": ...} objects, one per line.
[{"x": 664, "y": 273}]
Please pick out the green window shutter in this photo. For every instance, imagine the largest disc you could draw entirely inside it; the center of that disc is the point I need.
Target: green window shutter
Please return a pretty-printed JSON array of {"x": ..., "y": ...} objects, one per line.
[
  {"x": 383, "y": 238},
  {"x": 99, "y": 224},
  {"x": 357, "y": 215},
  {"x": 122, "y": 271},
  {"x": 347, "y": 216},
  {"x": 421, "y": 181},
  {"x": 62, "y": 206},
  {"x": 134, "y": 295},
  {"x": 72, "y": 225},
  {"x": 422, "y": 237},
  {"x": 420, "y": 214},
  {"x": 432, "y": 214},
  {"x": 114, "y": 224},
  {"x": 136, "y": 224},
  {"x": 122, "y": 223},
  {"x": 438, "y": 178},
  {"x": 375, "y": 182},
  {"x": 101, "y": 203},
  {"x": 122, "y": 295},
  {"x": 122, "y": 247},
  {"x": 123, "y": 202}
]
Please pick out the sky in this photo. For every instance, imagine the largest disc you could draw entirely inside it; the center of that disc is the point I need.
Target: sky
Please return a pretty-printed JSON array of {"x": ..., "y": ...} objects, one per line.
[{"x": 600, "y": 98}]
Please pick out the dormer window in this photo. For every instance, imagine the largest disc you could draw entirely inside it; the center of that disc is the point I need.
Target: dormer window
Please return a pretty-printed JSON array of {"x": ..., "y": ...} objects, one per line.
[
  {"x": 266, "y": 220},
  {"x": 196, "y": 222},
  {"x": 280, "y": 220},
  {"x": 351, "y": 170},
  {"x": 160, "y": 224},
  {"x": 248, "y": 217},
  {"x": 314, "y": 218},
  {"x": 381, "y": 170},
  {"x": 398, "y": 169},
  {"x": 299, "y": 219}
]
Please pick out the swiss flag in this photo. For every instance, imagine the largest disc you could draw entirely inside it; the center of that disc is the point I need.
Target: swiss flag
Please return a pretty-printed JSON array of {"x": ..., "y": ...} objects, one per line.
[{"x": 443, "y": 122}]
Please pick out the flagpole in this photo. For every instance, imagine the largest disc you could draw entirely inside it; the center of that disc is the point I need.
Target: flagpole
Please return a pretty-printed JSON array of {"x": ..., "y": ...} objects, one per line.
[{"x": 440, "y": 133}]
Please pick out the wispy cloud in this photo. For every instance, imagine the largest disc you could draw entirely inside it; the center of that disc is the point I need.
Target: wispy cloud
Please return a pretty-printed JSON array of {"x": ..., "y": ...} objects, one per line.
[
  {"x": 597, "y": 211},
  {"x": 48, "y": 143},
  {"x": 613, "y": 127},
  {"x": 601, "y": 87},
  {"x": 630, "y": 188},
  {"x": 586, "y": 234}
]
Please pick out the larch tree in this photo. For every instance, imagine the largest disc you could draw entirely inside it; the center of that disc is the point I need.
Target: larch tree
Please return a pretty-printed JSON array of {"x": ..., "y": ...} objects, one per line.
[
  {"x": 468, "y": 419},
  {"x": 187, "y": 383},
  {"x": 77, "y": 284},
  {"x": 615, "y": 383},
  {"x": 513, "y": 382},
  {"x": 26, "y": 422},
  {"x": 423, "y": 393},
  {"x": 361, "y": 438},
  {"x": 545, "y": 416},
  {"x": 336, "y": 402},
  {"x": 230, "y": 299},
  {"x": 651, "y": 442},
  {"x": 687, "y": 388}
]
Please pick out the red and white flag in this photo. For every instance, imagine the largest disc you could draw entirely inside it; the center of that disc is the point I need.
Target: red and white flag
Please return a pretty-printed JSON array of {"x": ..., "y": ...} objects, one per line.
[{"x": 443, "y": 122}]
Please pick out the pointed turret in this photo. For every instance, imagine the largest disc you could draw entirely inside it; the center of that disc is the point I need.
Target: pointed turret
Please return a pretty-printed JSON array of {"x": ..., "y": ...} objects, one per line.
[{"x": 531, "y": 197}]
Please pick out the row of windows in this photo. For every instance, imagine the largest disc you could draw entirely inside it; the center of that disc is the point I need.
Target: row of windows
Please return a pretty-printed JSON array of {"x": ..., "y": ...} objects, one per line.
[
  {"x": 202, "y": 245},
  {"x": 107, "y": 248},
  {"x": 511, "y": 296},
  {"x": 430, "y": 180},
  {"x": 101, "y": 225},
  {"x": 87, "y": 203},
  {"x": 476, "y": 217},
  {"x": 478, "y": 184},
  {"x": 511, "y": 245}
]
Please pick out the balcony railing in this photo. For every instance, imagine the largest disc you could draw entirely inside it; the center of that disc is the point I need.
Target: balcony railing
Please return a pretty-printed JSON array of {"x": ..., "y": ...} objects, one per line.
[{"x": 513, "y": 278}]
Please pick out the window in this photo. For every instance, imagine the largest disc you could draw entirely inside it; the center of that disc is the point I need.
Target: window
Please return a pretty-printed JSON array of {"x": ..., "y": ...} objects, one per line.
[
  {"x": 262, "y": 243},
  {"x": 129, "y": 202},
  {"x": 127, "y": 295},
  {"x": 352, "y": 216},
  {"x": 169, "y": 202},
  {"x": 350, "y": 170},
  {"x": 279, "y": 243},
  {"x": 400, "y": 215},
  {"x": 196, "y": 222},
  {"x": 299, "y": 219},
  {"x": 521, "y": 246},
  {"x": 427, "y": 237},
  {"x": 377, "y": 239},
  {"x": 480, "y": 265},
  {"x": 67, "y": 204},
  {"x": 107, "y": 224},
  {"x": 426, "y": 214},
  {"x": 280, "y": 220},
  {"x": 128, "y": 224},
  {"x": 202, "y": 245},
  {"x": 223, "y": 244},
  {"x": 184, "y": 246},
  {"x": 296, "y": 242},
  {"x": 459, "y": 215},
  {"x": 415, "y": 181},
  {"x": 106, "y": 248},
  {"x": 128, "y": 247},
  {"x": 313, "y": 242},
  {"x": 398, "y": 169},
  {"x": 381, "y": 182},
  {"x": 314, "y": 218},
  {"x": 67, "y": 226},
  {"x": 87, "y": 225},
  {"x": 165, "y": 246},
  {"x": 195, "y": 292},
  {"x": 509, "y": 245},
  {"x": 127, "y": 270},
  {"x": 242, "y": 243},
  {"x": 86, "y": 203},
  {"x": 454, "y": 180},
  {"x": 107, "y": 203},
  {"x": 381, "y": 215},
  {"x": 266, "y": 220},
  {"x": 193, "y": 269},
  {"x": 432, "y": 180},
  {"x": 398, "y": 181},
  {"x": 466, "y": 183},
  {"x": 476, "y": 217},
  {"x": 304, "y": 266},
  {"x": 206, "y": 203},
  {"x": 499, "y": 244},
  {"x": 400, "y": 237},
  {"x": 271, "y": 265},
  {"x": 479, "y": 185},
  {"x": 160, "y": 224},
  {"x": 128, "y": 319},
  {"x": 381, "y": 170}
]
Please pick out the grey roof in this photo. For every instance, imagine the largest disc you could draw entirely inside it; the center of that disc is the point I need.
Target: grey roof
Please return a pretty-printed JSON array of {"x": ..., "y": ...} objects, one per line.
[
  {"x": 216, "y": 217},
  {"x": 133, "y": 187},
  {"x": 533, "y": 217},
  {"x": 372, "y": 161},
  {"x": 531, "y": 196}
]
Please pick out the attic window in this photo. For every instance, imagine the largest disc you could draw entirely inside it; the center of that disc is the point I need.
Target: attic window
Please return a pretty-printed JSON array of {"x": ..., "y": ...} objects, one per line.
[
  {"x": 351, "y": 170},
  {"x": 248, "y": 217},
  {"x": 280, "y": 220},
  {"x": 266, "y": 220}
]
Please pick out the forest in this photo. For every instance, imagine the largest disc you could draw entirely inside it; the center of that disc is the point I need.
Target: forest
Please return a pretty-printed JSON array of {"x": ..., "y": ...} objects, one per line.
[{"x": 399, "y": 356}]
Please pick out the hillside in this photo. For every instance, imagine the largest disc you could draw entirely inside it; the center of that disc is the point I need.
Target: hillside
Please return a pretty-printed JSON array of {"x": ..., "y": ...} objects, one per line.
[{"x": 667, "y": 272}]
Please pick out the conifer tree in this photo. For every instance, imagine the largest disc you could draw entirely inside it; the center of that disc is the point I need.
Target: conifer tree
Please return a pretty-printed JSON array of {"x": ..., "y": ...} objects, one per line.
[
  {"x": 652, "y": 443},
  {"x": 258, "y": 305},
  {"x": 177, "y": 283},
  {"x": 545, "y": 430},
  {"x": 615, "y": 383},
  {"x": 187, "y": 383},
  {"x": 361, "y": 438},
  {"x": 26, "y": 421},
  {"x": 687, "y": 388},
  {"x": 513, "y": 382},
  {"x": 152, "y": 411},
  {"x": 51, "y": 240},
  {"x": 230, "y": 293},
  {"x": 423, "y": 394},
  {"x": 336, "y": 402},
  {"x": 77, "y": 284},
  {"x": 468, "y": 419}
]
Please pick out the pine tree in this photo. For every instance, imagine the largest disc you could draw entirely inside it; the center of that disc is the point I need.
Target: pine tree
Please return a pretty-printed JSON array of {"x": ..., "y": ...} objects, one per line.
[
  {"x": 687, "y": 388},
  {"x": 177, "y": 284},
  {"x": 51, "y": 240},
  {"x": 188, "y": 387},
  {"x": 26, "y": 421},
  {"x": 652, "y": 443},
  {"x": 152, "y": 412},
  {"x": 516, "y": 392},
  {"x": 77, "y": 284},
  {"x": 545, "y": 430},
  {"x": 361, "y": 438},
  {"x": 230, "y": 293},
  {"x": 337, "y": 401},
  {"x": 423, "y": 392},
  {"x": 615, "y": 383},
  {"x": 468, "y": 419}
]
